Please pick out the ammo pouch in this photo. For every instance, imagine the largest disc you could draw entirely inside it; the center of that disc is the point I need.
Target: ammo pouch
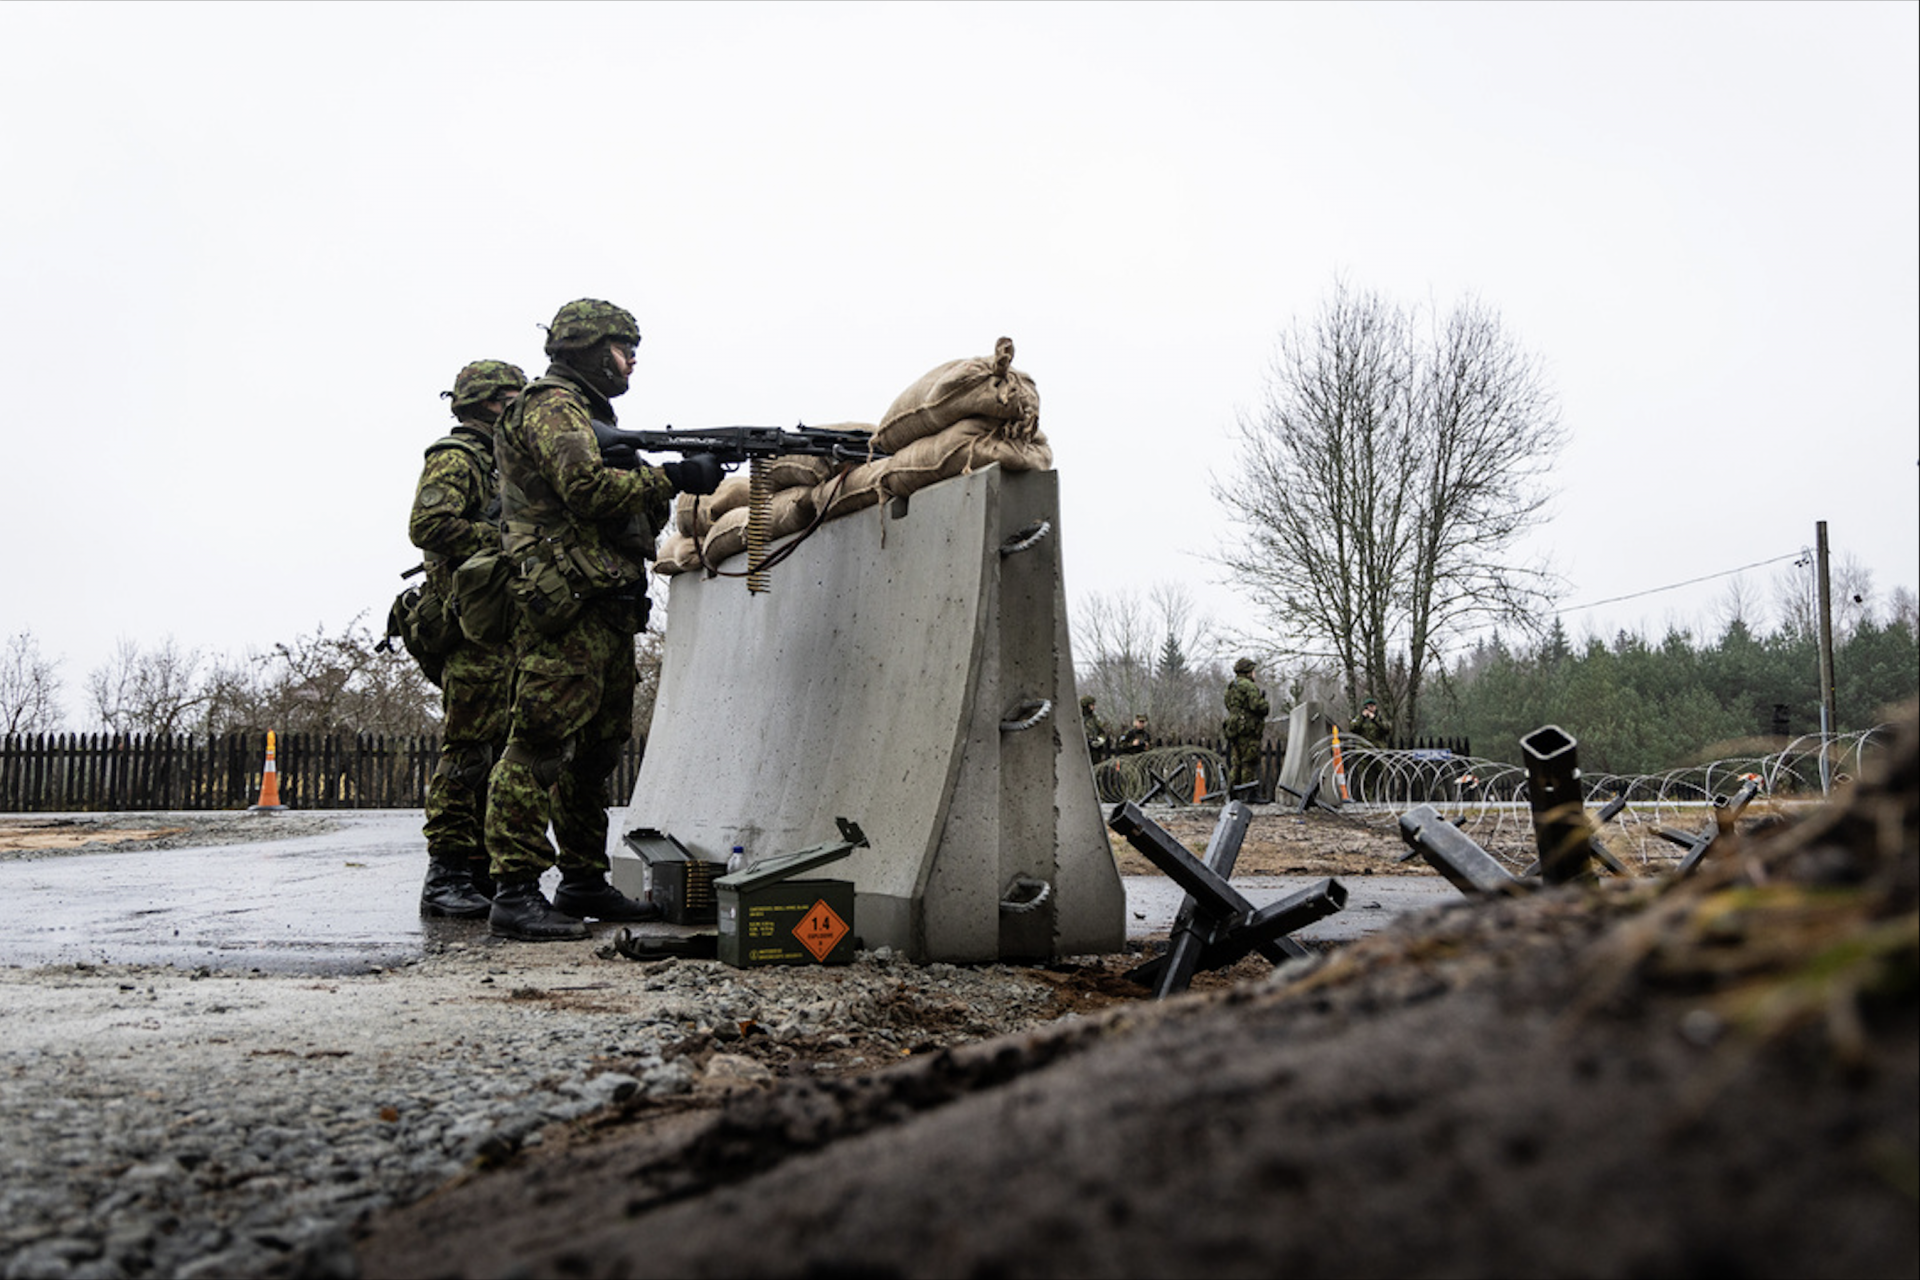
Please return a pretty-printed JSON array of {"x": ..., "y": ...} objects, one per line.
[
  {"x": 481, "y": 597},
  {"x": 435, "y": 629},
  {"x": 554, "y": 576},
  {"x": 418, "y": 619}
]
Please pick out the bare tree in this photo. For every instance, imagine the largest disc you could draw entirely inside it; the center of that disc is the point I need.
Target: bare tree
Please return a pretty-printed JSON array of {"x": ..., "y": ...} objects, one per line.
[
  {"x": 1854, "y": 599},
  {"x": 1115, "y": 644},
  {"x": 1903, "y": 609},
  {"x": 29, "y": 687},
  {"x": 1740, "y": 602},
  {"x": 158, "y": 690},
  {"x": 323, "y": 683},
  {"x": 1382, "y": 487},
  {"x": 649, "y": 648},
  {"x": 1796, "y": 596},
  {"x": 1155, "y": 658}
]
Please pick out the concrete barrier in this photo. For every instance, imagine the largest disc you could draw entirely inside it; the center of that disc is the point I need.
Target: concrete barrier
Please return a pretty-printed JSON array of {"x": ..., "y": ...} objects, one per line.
[
  {"x": 1308, "y": 730},
  {"x": 884, "y": 678}
]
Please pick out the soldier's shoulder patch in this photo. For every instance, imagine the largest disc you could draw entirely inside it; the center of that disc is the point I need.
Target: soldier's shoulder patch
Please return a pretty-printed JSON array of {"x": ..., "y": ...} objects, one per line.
[{"x": 433, "y": 495}]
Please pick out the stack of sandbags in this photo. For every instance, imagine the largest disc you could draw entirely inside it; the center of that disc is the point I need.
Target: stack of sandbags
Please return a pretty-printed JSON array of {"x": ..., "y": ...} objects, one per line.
[
  {"x": 693, "y": 519},
  {"x": 957, "y": 418}
]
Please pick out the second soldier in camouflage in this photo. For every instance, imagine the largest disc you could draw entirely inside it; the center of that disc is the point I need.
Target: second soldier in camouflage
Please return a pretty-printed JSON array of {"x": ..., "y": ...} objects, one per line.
[{"x": 456, "y": 515}]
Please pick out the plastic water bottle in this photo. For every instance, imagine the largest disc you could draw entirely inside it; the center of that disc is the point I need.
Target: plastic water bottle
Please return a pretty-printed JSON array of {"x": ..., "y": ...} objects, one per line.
[{"x": 737, "y": 860}]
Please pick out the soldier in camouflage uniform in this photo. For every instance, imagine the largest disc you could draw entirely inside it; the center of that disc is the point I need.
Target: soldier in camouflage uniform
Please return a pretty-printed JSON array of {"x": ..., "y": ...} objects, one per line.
[
  {"x": 455, "y": 514},
  {"x": 1246, "y": 722},
  {"x": 1371, "y": 725},
  {"x": 1098, "y": 739},
  {"x": 578, "y": 533}
]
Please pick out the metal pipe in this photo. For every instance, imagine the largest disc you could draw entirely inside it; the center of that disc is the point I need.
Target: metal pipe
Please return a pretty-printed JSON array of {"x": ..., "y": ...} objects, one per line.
[{"x": 1560, "y": 826}]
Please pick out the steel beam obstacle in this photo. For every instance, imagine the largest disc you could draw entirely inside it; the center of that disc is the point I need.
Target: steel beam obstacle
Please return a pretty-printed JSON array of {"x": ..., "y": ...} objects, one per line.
[
  {"x": 1216, "y": 926},
  {"x": 1455, "y": 855},
  {"x": 1566, "y": 836},
  {"x": 1720, "y": 823}
]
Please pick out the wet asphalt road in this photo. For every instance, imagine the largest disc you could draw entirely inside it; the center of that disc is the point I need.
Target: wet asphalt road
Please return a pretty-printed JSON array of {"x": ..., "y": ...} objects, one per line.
[{"x": 347, "y": 901}]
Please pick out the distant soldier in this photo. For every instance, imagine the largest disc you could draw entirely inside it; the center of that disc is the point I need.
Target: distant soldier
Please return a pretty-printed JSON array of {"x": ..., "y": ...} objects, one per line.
[
  {"x": 1246, "y": 723},
  {"x": 1136, "y": 739},
  {"x": 1371, "y": 725},
  {"x": 1371, "y": 729},
  {"x": 1098, "y": 739},
  {"x": 456, "y": 513}
]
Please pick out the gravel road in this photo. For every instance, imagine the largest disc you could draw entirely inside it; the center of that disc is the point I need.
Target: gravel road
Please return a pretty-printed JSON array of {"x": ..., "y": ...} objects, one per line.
[
  {"x": 302, "y": 1053},
  {"x": 159, "y": 1121}
]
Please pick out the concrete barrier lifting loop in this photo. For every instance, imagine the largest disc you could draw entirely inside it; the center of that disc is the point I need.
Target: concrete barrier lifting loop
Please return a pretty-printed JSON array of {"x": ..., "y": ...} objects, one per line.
[
  {"x": 1026, "y": 715},
  {"x": 1024, "y": 894},
  {"x": 1026, "y": 538}
]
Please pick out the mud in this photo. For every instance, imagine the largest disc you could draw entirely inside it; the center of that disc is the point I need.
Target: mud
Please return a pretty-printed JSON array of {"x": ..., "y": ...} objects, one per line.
[{"x": 1645, "y": 1076}]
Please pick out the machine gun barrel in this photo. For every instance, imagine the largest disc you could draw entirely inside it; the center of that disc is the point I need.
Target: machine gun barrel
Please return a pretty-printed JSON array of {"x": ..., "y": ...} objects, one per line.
[{"x": 740, "y": 444}]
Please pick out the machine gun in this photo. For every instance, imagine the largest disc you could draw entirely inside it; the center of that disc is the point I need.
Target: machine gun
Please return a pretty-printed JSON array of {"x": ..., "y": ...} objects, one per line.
[
  {"x": 705, "y": 454},
  {"x": 731, "y": 446}
]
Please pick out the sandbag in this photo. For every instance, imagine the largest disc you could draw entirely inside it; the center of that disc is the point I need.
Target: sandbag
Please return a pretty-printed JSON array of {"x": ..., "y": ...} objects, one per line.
[
  {"x": 691, "y": 515},
  {"x": 857, "y": 490},
  {"x": 988, "y": 388},
  {"x": 694, "y": 514},
  {"x": 962, "y": 449},
  {"x": 789, "y": 511},
  {"x": 728, "y": 537},
  {"x": 731, "y": 494},
  {"x": 677, "y": 554}
]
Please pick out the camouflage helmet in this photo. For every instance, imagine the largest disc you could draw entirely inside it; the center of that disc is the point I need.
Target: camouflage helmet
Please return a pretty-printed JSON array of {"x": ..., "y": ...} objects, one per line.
[
  {"x": 1086, "y": 701},
  {"x": 587, "y": 322},
  {"x": 481, "y": 381},
  {"x": 1244, "y": 667}
]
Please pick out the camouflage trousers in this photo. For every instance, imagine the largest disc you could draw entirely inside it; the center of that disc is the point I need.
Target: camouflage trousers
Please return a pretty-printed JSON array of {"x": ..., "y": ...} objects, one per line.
[
  {"x": 572, "y": 712},
  {"x": 1243, "y": 761},
  {"x": 474, "y": 695}
]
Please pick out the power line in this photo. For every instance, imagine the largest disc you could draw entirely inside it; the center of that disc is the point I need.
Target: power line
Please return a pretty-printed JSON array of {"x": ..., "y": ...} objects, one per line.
[{"x": 1675, "y": 586}]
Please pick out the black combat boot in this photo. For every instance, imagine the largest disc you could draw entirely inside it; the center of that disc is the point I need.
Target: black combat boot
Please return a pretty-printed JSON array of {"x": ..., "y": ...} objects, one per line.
[
  {"x": 449, "y": 891},
  {"x": 586, "y": 893},
  {"x": 483, "y": 877},
  {"x": 521, "y": 912}
]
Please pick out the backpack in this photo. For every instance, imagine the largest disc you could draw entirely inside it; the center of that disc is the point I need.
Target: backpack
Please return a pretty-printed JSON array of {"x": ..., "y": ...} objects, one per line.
[{"x": 419, "y": 619}]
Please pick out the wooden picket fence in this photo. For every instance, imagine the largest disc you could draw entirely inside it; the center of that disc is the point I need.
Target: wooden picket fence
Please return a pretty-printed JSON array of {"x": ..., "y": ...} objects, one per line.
[{"x": 102, "y": 772}]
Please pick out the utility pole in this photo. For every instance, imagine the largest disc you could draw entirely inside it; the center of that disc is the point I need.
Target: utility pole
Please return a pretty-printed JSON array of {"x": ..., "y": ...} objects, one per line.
[{"x": 1827, "y": 718}]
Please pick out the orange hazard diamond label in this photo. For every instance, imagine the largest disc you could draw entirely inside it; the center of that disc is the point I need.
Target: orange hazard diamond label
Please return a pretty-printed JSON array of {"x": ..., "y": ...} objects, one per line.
[{"x": 820, "y": 930}]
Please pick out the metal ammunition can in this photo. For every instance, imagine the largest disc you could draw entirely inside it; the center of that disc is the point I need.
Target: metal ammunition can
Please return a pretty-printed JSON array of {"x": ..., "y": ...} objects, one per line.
[{"x": 781, "y": 921}]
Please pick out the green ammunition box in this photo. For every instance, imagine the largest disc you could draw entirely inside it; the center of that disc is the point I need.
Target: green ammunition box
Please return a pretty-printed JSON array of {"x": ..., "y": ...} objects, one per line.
[{"x": 766, "y": 917}]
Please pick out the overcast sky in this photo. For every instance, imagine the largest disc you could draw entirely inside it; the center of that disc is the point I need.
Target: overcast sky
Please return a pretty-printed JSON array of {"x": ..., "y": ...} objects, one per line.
[{"x": 244, "y": 247}]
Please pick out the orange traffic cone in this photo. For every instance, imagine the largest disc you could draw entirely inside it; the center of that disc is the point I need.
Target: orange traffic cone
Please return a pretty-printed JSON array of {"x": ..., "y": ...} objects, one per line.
[
  {"x": 269, "y": 784},
  {"x": 1339, "y": 769},
  {"x": 1199, "y": 779}
]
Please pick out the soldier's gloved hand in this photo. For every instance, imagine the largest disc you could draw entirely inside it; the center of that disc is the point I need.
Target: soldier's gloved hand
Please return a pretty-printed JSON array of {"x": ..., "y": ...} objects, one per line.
[
  {"x": 697, "y": 473},
  {"x": 621, "y": 457}
]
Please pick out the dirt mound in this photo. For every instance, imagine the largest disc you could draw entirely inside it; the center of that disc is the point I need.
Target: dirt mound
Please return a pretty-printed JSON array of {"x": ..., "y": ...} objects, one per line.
[{"x": 1718, "y": 1075}]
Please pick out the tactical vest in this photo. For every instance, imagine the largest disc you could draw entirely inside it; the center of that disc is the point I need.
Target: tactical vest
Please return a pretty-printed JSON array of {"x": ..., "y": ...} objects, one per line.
[{"x": 560, "y": 559}]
